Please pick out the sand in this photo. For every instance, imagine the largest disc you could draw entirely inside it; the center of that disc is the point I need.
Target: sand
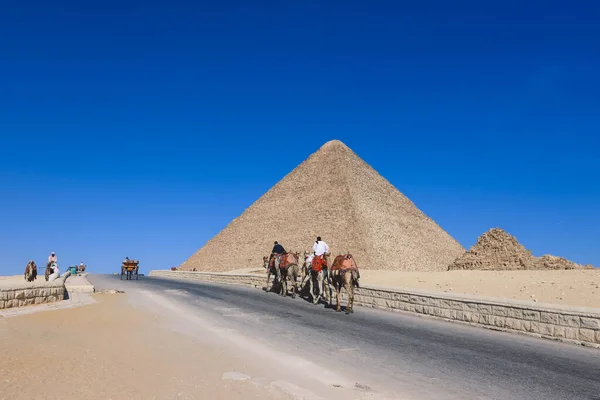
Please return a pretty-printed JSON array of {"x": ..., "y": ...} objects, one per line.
[
  {"x": 567, "y": 287},
  {"x": 110, "y": 350}
]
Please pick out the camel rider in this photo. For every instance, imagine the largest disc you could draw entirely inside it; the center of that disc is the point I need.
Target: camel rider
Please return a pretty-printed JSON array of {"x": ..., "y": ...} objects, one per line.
[
  {"x": 320, "y": 248},
  {"x": 52, "y": 259},
  {"x": 277, "y": 249}
]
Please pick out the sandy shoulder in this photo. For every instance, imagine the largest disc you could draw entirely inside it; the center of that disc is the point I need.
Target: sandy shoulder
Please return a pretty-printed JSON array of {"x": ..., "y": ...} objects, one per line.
[
  {"x": 568, "y": 287},
  {"x": 110, "y": 350}
]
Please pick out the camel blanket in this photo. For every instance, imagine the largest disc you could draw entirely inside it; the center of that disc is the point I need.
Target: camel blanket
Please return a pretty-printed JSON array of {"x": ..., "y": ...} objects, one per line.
[
  {"x": 318, "y": 263},
  {"x": 344, "y": 263},
  {"x": 284, "y": 260}
]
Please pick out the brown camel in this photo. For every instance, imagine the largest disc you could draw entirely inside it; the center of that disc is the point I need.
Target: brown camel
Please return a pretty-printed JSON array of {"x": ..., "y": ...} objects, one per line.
[
  {"x": 287, "y": 266},
  {"x": 31, "y": 271},
  {"x": 344, "y": 273},
  {"x": 270, "y": 271}
]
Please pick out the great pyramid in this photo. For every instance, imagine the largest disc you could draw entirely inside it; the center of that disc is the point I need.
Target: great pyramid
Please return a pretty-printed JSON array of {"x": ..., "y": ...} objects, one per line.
[
  {"x": 336, "y": 195},
  {"x": 498, "y": 250}
]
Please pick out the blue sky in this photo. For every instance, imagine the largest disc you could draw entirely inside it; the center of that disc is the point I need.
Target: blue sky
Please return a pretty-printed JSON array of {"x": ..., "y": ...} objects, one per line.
[{"x": 141, "y": 128}]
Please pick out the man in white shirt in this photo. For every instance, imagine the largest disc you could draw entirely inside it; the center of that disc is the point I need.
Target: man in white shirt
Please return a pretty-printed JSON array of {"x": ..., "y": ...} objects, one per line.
[
  {"x": 320, "y": 247},
  {"x": 52, "y": 258}
]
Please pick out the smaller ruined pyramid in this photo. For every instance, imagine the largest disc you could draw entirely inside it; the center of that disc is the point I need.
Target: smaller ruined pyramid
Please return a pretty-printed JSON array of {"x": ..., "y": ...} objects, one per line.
[
  {"x": 498, "y": 250},
  {"x": 336, "y": 195}
]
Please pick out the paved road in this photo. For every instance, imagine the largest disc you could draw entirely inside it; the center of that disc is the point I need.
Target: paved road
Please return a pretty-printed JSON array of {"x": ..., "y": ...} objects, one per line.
[{"x": 396, "y": 354}]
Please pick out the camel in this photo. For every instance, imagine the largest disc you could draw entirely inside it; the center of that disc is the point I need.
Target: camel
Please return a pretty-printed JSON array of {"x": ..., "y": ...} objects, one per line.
[
  {"x": 287, "y": 266},
  {"x": 31, "y": 271},
  {"x": 345, "y": 273},
  {"x": 316, "y": 273},
  {"x": 270, "y": 271},
  {"x": 49, "y": 269}
]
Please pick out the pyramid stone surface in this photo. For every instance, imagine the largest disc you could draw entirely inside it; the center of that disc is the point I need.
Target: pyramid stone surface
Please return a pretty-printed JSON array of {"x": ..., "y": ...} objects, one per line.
[
  {"x": 498, "y": 250},
  {"x": 336, "y": 195}
]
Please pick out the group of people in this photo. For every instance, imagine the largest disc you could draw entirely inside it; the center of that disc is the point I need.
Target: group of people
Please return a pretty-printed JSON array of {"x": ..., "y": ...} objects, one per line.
[
  {"x": 320, "y": 250},
  {"x": 52, "y": 267}
]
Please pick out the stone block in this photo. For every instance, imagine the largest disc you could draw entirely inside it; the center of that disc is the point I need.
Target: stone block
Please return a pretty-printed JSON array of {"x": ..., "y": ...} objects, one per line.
[
  {"x": 597, "y": 336},
  {"x": 19, "y": 294},
  {"x": 10, "y": 294},
  {"x": 590, "y": 323},
  {"x": 587, "y": 335},
  {"x": 500, "y": 322},
  {"x": 484, "y": 308},
  {"x": 432, "y": 301},
  {"x": 526, "y": 325},
  {"x": 546, "y": 329},
  {"x": 572, "y": 333},
  {"x": 460, "y": 315},
  {"x": 29, "y": 301},
  {"x": 534, "y": 327},
  {"x": 30, "y": 293},
  {"x": 515, "y": 313},
  {"x": 2, "y": 304},
  {"x": 453, "y": 314},
  {"x": 559, "y": 332},
  {"x": 413, "y": 299},
  {"x": 513, "y": 323},
  {"x": 549, "y": 318},
  {"x": 500, "y": 311},
  {"x": 39, "y": 300},
  {"x": 484, "y": 319},
  {"x": 418, "y": 308},
  {"x": 471, "y": 307},
  {"x": 568, "y": 320},
  {"x": 457, "y": 305},
  {"x": 531, "y": 315},
  {"x": 405, "y": 298}
]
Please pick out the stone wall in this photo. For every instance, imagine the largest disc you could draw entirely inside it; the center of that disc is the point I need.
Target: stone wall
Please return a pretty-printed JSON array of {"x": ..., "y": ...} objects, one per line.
[
  {"x": 579, "y": 325},
  {"x": 37, "y": 293}
]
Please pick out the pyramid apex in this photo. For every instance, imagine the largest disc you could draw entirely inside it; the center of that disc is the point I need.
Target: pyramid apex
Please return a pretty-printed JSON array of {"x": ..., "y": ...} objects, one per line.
[{"x": 333, "y": 145}]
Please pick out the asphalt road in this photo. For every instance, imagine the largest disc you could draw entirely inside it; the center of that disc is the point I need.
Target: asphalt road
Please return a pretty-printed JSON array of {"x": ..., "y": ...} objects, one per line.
[{"x": 391, "y": 353}]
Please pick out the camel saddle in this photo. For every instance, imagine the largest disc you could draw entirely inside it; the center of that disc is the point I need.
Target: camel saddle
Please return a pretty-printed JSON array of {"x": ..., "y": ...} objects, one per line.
[
  {"x": 284, "y": 260},
  {"x": 318, "y": 263},
  {"x": 344, "y": 263}
]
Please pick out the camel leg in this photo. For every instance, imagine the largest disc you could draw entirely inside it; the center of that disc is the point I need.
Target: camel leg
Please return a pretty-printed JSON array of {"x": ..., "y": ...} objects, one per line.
[
  {"x": 320, "y": 286},
  {"x": 350, "y": 291},
  {"x": 311, "y": 285},
  {"x": 294, "y": 278},
  {"x": 268, "y": 279},
  {"x": 338, "y": 289}
]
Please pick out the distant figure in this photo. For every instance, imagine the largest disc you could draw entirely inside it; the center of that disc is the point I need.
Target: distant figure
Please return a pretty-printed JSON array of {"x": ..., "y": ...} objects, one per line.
[
  {"x": 81, "y": 266},
  {"x": 55, "y": 273},
  {"x": 52, "y": 258}
]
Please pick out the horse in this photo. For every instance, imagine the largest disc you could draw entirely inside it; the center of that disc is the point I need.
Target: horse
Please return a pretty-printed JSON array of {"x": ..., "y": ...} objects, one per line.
[
  {"x": 345, "y": 273},
  {"x": 31, "y": 271},
  {"x": 287, "y": 266}
]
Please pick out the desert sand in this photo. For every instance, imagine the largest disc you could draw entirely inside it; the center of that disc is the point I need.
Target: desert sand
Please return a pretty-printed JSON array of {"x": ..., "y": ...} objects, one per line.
[
  {"x": 567, "y": 287},
  {"x": 110, "y": 350}
]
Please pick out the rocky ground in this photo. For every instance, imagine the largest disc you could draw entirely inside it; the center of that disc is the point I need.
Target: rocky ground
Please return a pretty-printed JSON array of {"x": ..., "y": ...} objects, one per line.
[{"x": 110, "y": 350}]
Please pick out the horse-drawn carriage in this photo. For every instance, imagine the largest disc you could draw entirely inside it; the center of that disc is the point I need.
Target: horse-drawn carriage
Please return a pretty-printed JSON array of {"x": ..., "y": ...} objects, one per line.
[{"x": 129, "y": 268}]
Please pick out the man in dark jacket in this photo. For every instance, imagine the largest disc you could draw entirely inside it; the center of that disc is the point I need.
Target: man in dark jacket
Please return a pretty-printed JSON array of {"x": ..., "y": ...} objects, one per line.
[{"x": 278, "y": 249}]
